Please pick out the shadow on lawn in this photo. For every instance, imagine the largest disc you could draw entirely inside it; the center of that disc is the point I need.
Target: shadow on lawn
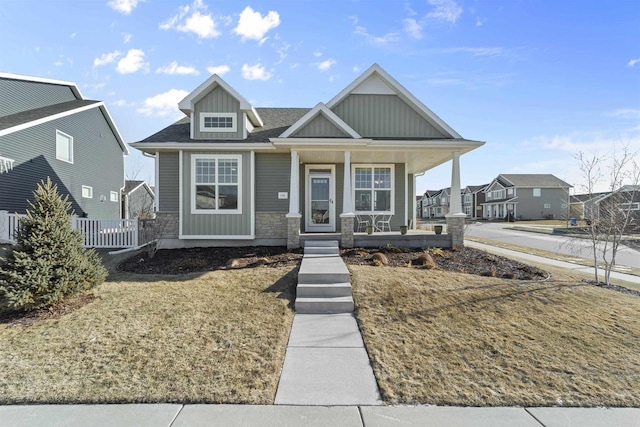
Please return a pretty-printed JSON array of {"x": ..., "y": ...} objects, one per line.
[{"x": 285, "y": 287}]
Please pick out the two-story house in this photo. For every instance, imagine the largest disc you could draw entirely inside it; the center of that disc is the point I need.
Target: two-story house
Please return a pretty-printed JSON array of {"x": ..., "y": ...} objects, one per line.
[
  {"x": 526, "y": 196},
  {"x": 230, "y": 173},
  {"x": 47, "y": 129},
  {"x": 472, "y": 198}
]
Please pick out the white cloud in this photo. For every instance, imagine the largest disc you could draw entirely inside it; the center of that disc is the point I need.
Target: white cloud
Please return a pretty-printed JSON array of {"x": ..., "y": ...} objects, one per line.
[
  {"x": 445, "y": 10},
  {"x": 253, "y": 26},
  {"x": 123, "y": 6},
  {"x": 476, "y": 51},
  {"x": 220, "y": 70},
  {"x": 317, "y": 54},
  {"x": 325, "y": 65},
  {"x": 189, "y": 19},
  {"x": 379, "y": 40},
  {"x": 73, "y": 35},
  {"x": 356, "y": 69},
  {"x": 58, "y": 63},
  {"x": 174, "y": 68},
  {"x": 480, "y": 21},
  {"x": 106, "y": 58},
  {"x": 255, "y": 72},
  {"x": 413, "y": 28},
  {"x": 163, "y": 104},
  {"x": 283, "y": 52},
  {"x": 626, "y": 113},
  {"x": 122, "y": 103},
  {"x": 126, "y": 38},
  {"x": 633, "y": 62},
  {"x": 132, "y": 62}
]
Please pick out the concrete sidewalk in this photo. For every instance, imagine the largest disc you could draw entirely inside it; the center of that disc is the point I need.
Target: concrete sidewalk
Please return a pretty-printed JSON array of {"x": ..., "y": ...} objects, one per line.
[
  {"x": 175, "y": 415},
  {"x": 562, "y": 264}
]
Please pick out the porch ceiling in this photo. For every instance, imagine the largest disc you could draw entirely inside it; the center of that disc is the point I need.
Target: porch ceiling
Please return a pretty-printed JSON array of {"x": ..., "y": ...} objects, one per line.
[{"x": 418, "y": 158}]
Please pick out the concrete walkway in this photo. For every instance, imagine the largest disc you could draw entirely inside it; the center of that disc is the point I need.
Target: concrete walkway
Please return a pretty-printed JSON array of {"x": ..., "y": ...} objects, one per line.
[
  {"x": 326, "y": 364},
  {"x": 562, "y": 264},
  {"x": 175, "y": 415}
]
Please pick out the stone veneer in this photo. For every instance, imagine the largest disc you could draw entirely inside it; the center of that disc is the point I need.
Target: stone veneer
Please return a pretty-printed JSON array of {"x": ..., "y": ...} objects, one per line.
[
  {"x": 271, "y": 225},
  {"x": 167, "y": 224},
  {"x": 346, "y": 227},
  {"x": 293, "y": 232},
  {"x": 455, "y": 229}
]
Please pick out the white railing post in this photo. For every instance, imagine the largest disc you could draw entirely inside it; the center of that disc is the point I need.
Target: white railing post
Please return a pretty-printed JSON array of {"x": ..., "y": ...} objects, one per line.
[{"x": 4, "y": 226}]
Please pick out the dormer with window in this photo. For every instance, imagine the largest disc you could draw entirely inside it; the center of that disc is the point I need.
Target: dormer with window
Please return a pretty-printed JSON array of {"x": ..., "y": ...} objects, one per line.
[{"x": 218, "y": 112}]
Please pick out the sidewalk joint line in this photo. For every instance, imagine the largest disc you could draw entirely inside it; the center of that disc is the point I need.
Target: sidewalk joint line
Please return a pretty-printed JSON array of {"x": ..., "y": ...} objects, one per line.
[
  {"x": 177, "y": 414},
  {"x": 533, "y": 416}
]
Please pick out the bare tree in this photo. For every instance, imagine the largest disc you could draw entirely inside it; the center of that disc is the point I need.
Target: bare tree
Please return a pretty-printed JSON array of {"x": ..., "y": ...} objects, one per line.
[{"x": 610, "y": 216}]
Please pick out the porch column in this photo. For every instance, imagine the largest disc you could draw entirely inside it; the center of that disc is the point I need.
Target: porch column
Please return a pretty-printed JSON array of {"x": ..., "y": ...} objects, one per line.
[
  {"x": 293, "y": 217},
  {"x": 455, "y": 217},
  {"x": 347, "y": 216}
]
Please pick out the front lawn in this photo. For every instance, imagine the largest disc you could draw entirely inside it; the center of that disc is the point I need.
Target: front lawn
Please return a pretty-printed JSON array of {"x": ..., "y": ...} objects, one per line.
[
  {"x": 449, "y": 338},
  {"x": 213, "y": 337}
]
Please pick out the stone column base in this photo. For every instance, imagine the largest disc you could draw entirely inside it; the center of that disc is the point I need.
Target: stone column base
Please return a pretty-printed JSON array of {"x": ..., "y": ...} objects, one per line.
[
  {"x": 293, "y": 232},
  {"x": 346, "y": 224},
  {"x": 455, "y": 229}
]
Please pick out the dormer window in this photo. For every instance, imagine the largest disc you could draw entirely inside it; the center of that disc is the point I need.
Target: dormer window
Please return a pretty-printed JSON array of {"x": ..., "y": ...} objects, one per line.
[{"x": 218, "y": 122}]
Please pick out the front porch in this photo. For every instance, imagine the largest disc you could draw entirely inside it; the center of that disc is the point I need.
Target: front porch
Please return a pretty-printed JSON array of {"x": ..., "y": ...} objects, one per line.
[{"x": 413, "y": 239}]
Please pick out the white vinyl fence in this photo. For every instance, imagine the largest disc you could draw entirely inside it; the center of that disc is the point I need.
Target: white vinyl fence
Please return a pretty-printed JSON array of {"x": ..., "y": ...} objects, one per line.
[{"x": 98, "y": 233}]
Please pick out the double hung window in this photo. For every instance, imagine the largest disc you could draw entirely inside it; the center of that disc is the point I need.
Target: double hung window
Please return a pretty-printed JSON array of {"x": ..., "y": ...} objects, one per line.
[
  {"x": 373, "y": 188},
  {"x": 216, "y": 184}
]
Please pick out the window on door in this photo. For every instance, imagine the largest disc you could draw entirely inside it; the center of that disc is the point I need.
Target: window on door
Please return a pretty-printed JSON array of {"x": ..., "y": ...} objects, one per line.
[{"x": 373, "y": 188}]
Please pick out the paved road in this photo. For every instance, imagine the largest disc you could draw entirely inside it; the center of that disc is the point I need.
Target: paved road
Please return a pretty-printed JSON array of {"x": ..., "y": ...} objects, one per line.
[{"x": 561, "y": 244}]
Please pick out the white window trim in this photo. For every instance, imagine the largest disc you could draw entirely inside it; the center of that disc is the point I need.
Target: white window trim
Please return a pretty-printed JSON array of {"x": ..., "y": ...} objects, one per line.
[
  {"x": 547, "y": 206},
  {"x": 233, "y": 128},
  {"x": 113, "y": 196},
  {"x": 89, "y": 189},
  {"x": 64, "y": 135},
  {"x": 192, "y": 186},
  {"x": 393, "y": 187}
]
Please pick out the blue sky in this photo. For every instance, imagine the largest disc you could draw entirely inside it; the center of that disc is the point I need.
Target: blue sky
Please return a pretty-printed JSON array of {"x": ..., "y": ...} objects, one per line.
[{"x": 537, "y": 80}]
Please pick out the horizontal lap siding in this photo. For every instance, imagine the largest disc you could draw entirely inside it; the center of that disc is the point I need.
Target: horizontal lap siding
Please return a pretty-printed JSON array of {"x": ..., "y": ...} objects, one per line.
[
  {"x": 169, "y": 182},
  {"x": 384, "y": 116},
  {"x": 17, "y": 95},
  {"x": 272, "y": 176},
  {"x": 216, "y": 224},
  {"x": 98, "y": 163},
  {"x": 218, "y": 101}
]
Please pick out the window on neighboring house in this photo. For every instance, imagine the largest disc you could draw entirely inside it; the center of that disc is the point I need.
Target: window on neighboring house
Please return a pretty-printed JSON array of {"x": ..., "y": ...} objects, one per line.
[
  {"x": 467, "y": 198},
  {"x": 114, "y": 196},
  {"x": 632, "y": 206},
  {"x": 537, "y": 192},
  {"x": 443, "y": 200},
  {"x": 87, "y": 192},
  {"x": 547, "y": 205},
  {"x": 497, "y": 194},
  {"x": 216, "y": 184},
  {"x": 218, "y": 122},
  {"x": 510, "y": 191},
  {"x": 373, "y": 188},
  {"x": 64, "y": 147}
]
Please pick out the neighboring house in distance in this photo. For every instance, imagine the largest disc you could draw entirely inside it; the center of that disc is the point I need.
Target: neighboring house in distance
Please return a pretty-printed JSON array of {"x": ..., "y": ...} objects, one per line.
[
  {"x": 428, "y": 203},
  {"x": 472, "y": 199},
  {"x": 595, "y": 205},
  {"x": 526, "y": 196},
  {"x": 232, "y": 174},
  {"x": 137, "y": 200},
  {"x": 419, "y": 206},
  {"x": 47, "y": 129}
]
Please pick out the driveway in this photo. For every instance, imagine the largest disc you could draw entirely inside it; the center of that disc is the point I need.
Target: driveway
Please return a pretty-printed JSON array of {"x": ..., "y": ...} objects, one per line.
[{"x": 626, "y": 256}]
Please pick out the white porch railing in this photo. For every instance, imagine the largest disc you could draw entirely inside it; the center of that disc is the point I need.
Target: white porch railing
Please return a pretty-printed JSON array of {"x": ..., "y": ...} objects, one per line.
[{"x": 98, "y": 233}]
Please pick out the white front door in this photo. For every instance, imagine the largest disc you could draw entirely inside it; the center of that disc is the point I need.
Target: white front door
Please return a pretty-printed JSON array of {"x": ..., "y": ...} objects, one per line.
[{"x": 320, "y": 201}]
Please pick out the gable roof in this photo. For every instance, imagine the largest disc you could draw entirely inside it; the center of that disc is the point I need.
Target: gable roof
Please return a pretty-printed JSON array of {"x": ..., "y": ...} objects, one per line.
[
  {"x": 533, "y": 180},
  {"x": 132, "y": 185},
  {"x": 187, "y": 104},
  {"x": 376, "y": 77},
  {"x": 475, "y": 188},
  {"x": 321, "y": 109},
  {"x": 25, "y": 119}
]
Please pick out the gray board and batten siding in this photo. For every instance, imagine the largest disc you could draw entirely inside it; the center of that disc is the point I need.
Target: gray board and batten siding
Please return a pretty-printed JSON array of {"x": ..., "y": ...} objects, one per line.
[
  {"x": 384, "y": 116},
  {"x": 97, "y": 162},
  {"x": 18, "y": 95},
  {"x": 532, "y": 207},
  {"x": 218, "y": 101},
  {"x": 168, "y": 186},
  {"x": 220, "y": 224},
  {"x": 272, "y": 176},
  {"x": 321, "y": 127}
]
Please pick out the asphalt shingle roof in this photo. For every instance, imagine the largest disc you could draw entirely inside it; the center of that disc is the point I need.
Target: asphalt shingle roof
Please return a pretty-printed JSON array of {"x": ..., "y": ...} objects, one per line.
[
  {"x": 28, "y": 116},
  {"x": 276, "y": 121},
  {"x": 535, "y": 180}
]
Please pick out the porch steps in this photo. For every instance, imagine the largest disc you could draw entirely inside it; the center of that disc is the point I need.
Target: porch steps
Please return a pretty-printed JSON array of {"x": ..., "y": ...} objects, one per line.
[{"x": 323, "y": 280}]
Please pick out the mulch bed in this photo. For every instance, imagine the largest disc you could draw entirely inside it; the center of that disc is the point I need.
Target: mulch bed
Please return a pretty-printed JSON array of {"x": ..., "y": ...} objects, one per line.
[
  {"x": 28, "y": 318},
  {"x": 192, "y": 260}
]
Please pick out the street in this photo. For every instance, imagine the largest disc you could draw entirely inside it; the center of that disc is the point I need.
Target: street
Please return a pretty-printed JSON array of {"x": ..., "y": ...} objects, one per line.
[{"x": 577, "y": 247}]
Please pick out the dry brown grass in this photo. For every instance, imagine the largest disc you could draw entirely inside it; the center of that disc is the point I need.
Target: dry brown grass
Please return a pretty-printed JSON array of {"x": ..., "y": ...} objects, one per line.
[
  {"x": 454, "y": 339},
  {"x": 217, "y": 337}
]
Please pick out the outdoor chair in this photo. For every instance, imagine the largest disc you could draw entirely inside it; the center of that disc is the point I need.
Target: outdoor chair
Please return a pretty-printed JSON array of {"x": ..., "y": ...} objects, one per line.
[
  {"x": 383, "y": 223},
  {"x": 362, "y": 223}
]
